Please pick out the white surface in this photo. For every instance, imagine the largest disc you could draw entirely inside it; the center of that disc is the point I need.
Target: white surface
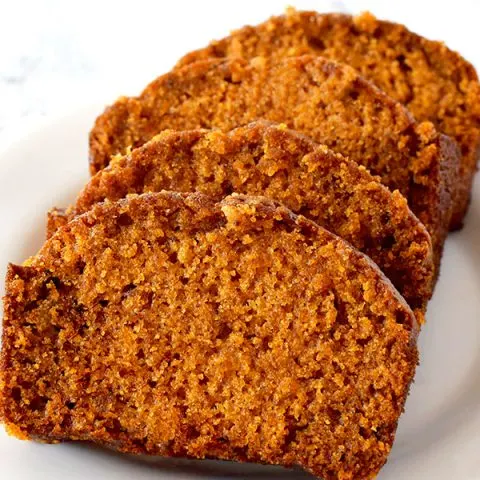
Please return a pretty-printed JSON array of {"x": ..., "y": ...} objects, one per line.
[
  {"x": 57, "y": 53},
  {"x": 438, "y": 437}
]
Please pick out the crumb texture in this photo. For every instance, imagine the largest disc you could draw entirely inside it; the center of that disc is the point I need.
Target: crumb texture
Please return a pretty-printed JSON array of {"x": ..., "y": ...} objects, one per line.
[
  {"x": 435, "y": 83},
  {"x": 170, "y": 324},
  {"x": 267, "y": 159},
  {"x": 329, "y": 102}
]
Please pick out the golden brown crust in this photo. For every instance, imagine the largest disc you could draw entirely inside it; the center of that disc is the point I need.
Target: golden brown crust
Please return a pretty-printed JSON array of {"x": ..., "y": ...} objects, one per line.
[
  {"x": 56, "y": 218},
  {"x": 169, "y": 324},
  {"x": 267, "y": 159},
  {"x": 434, "y": 82}
]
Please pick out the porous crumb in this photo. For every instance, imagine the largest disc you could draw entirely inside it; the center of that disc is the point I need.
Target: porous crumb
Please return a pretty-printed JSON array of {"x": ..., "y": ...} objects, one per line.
[
  {"x": 327, "y": 101},
  {"x": 434, "y": 82},
  {"x": 267, "y": 159},
  {"x": 293, "y": 349}
]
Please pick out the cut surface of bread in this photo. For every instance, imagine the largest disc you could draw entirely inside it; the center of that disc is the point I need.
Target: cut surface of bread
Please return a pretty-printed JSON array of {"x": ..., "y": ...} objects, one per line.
[
  {"x": 434, "y": 82},
  {"x": 267, "y": 159},
  {"x": 173, "y": 325},
  {"x": 328, "y": 102}
]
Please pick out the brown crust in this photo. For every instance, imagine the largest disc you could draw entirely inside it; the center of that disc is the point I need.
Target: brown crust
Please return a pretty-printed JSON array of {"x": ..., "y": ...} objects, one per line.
[
  {"x": 257, "y": 160},
  {"x": 56, "y": 218},
  {"x": 341, "y": 110},
  {"x": 63, "y": 379},
  {"x": 434, "y": 82}
]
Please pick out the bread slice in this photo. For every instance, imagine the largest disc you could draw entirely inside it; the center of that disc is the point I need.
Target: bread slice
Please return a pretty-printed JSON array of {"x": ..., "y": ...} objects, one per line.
[
  {"x": 267, "y": 159},
  {"x": 434, "y": 82},
  {"x": 329, "y": 102},
  {"x": 172, "y": 325}
]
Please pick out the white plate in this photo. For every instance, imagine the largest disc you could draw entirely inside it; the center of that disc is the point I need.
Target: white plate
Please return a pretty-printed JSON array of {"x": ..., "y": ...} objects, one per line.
[{"x": 439, "y": 434}]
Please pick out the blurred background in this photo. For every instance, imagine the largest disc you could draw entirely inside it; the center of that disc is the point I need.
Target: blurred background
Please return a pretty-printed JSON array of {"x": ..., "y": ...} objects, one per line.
[{"x": 56, "y": 55}]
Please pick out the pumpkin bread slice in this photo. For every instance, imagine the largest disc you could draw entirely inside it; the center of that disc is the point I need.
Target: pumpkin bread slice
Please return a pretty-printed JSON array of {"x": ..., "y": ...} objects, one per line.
[
  {"x": 434, "y": 82},
  {"x": 267, "y": 159},
  {"x": 172, "y": 325},
  {"x": 329, "y": 102}
]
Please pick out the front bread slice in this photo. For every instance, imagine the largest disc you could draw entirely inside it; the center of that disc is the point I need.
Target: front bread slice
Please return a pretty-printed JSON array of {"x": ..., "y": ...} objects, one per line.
[{"x": 174, "y": 325}]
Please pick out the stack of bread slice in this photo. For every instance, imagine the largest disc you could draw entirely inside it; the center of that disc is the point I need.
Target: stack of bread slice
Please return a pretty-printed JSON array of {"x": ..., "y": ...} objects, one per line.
[{"x": 245, "y": 274}]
